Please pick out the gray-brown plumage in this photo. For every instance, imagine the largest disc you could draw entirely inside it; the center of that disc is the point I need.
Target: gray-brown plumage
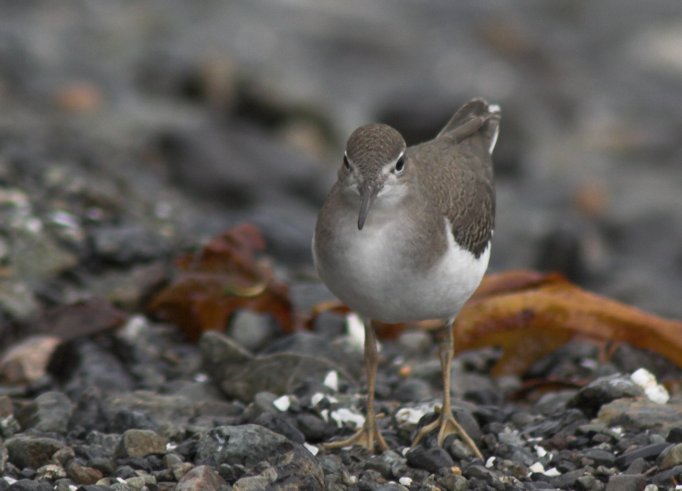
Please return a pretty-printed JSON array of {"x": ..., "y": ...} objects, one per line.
[{"x": 405, "y": 232}]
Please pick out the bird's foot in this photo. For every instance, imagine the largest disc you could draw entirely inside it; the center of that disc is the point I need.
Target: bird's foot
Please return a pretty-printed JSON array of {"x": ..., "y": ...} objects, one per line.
[
  {"x": 447, "y": 425},
  {"x": 367, "y": 437}
]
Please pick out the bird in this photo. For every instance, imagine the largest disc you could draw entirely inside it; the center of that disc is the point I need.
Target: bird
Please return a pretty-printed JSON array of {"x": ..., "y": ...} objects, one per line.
[{"x": 405, "y": 235}]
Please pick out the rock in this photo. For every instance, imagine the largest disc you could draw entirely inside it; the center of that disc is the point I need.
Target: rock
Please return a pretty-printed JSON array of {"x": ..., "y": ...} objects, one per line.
[
  {"x": 250, "y": 444},
  {"x": 646, "y": 452},
  {"x": 264, "y": 480},
  {"x": 28, "y": 485},
  {"x": 125, "y": 244},
  {"x": 429, "y": 459},
  {"x": 280, "y": 425},
  {"x": 140, "y": 443},
  {"x": 50, "y": 472},
  {"x": 415, "y": 341},
  {"x": 670, "y": 457},
  {"x": 27, "y": 361},
  {"x": 314, "y": 428},
  {"x": 602, "y": 391},
  {"x": 201, "y": 478},
  {"x": 600, "y": 457},
  {"x": 242, "y": 376},
  {"x": 31, "y": 451},
  {"x": 641, "y": 414},
  {"x": 675, "y": 435},
  {"x": 83, "y": 474},
  {"x": 412, "y": 390},
  {"x": 251, "y": 329},
  {"x": 166, "y": 414},
  {"x": 626, "y": 482},
  {"x": 48, "y": 413}
]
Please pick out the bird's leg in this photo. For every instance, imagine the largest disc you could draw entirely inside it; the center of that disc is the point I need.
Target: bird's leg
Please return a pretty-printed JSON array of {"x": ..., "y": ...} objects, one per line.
[
  {"x": 446, "y": 422},
  {"x": 368, "y": 436}
]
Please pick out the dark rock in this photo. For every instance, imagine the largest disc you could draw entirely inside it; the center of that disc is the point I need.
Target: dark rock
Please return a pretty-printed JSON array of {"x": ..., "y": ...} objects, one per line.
[
  {"x": 125, "y": 244},
  {"x": 430, "y": 459},
  {"x": 140, "y": 443},
  {"x": 568, "y": 479},
  {"x": 647, "y": 452},
  {"x": 637, "y": 466},
  {"x": 201, "y": 478},
  {"x": 27, "y": 485},
  {"x": 48, "y": 413},
  {"x": 604, "y": 390},
  {"x": 675, "y": 435},
  {"x": 250, "y": 444},
  {"x": 314, "y": 428},
  {"x": 280, "y": 425},
  {"x": 641, "y": 414},
  {"x": 626, "y": 482},
  {"x": 166, "y": 414},
  {"x": 83, "y": 363},
  {"x": 600, "y": 457},
  {"x": 669, "y": 477},
  {"x": 412, "y": 390},
  {"x": 242, "y": 376},
  {"x": 31, "y": 451}
]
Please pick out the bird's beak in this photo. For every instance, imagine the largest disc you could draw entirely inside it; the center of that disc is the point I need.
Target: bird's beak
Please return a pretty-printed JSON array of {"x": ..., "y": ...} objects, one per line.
[{"x": 367, "y": 194}]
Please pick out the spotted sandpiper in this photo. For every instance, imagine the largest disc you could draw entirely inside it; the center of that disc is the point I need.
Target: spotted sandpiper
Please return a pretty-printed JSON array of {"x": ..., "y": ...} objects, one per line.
[{"x": 404, "y": 235}]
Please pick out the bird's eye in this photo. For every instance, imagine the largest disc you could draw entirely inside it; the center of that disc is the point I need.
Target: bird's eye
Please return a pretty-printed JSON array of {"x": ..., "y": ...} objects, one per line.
[
  {"x": 400, "y": 165},
  {"x": 346, "y": 164}
]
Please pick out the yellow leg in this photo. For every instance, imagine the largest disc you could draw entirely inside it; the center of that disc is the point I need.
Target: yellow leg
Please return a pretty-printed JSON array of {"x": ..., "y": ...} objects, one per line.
[
  {"x": 446, "y": 422},
  {"x": 368, "y": 436}
]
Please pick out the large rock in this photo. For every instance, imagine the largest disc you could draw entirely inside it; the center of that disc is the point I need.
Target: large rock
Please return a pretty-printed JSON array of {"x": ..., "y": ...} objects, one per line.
[
  {"x": 251, "y": 445},
  {"x": 31, "y": 451}
]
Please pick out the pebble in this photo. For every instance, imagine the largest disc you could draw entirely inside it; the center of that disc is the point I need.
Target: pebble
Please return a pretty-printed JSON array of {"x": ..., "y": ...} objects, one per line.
[
  {"x": 429, "y": 459},
  {"x": 31, "y": 451},
  {"x": 140, "y": 443},
  {"x": 604, "y": 390},
  {"x": 626, "y": 482},
  {"x": 50, "y": 412},
  {"x": 201, "y": 478},
  {"x": 670, "y": 457}
]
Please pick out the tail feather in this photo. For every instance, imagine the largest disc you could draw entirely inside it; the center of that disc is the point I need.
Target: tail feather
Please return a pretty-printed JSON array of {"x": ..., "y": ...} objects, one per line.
[{"x": 474, "y": 117}]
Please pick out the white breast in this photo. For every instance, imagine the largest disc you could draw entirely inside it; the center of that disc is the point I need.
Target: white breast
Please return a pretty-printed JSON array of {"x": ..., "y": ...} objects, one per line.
[{"x": 367, "y": 271}]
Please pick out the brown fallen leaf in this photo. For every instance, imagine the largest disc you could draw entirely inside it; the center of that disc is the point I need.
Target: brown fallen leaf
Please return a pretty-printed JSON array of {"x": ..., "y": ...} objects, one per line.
[
  {"x": 529, "y": 316},
  {"x": 221, "y": 278}
]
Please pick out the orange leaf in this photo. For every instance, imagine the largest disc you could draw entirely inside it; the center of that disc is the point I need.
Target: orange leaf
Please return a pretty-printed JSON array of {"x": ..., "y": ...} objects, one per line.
[
  {"x": 530, "y": 315},
  {"x": 225, "y": 276}
]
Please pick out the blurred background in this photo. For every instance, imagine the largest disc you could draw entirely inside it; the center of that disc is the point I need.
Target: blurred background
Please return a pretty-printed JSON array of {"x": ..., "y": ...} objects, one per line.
[{"x": 131, "y": 131}]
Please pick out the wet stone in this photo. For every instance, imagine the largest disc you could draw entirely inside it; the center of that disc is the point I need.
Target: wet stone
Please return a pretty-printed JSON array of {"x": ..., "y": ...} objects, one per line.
[
  {"x": 28, "y": 485},
  {"x": 83, "y": 474},
  {"x": 281, "y": 425},
  {"x": 675, "y": 435},
  {"x": 251, "y": 329}
]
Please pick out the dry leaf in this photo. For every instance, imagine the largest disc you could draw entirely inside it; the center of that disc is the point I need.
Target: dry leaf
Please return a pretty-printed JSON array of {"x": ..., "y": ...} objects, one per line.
[
  {"x": 530, "y": 315},
  {"x": 223, "y": 277}
]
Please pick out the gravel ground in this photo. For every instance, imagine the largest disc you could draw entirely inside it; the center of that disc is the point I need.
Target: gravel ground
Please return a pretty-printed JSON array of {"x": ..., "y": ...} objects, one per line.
[{"x": 131, "y": 133}]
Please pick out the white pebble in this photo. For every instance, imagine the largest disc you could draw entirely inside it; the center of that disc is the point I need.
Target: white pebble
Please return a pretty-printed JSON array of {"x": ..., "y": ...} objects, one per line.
[
  {"x": 537, "y": 468},
  {"x": 553, "y": 472},
  {"x": 343, "y": 415},
  {"x": 490, "y": 462},
  {"x": 332, "y": 380},
  {"x": 311, "y": 448},
  {"x": 282, "y": 403},
  {"x": 405, "y": 481},
  {"x": 540, "y": 451},
  {"x": 654, "y": 391}
]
